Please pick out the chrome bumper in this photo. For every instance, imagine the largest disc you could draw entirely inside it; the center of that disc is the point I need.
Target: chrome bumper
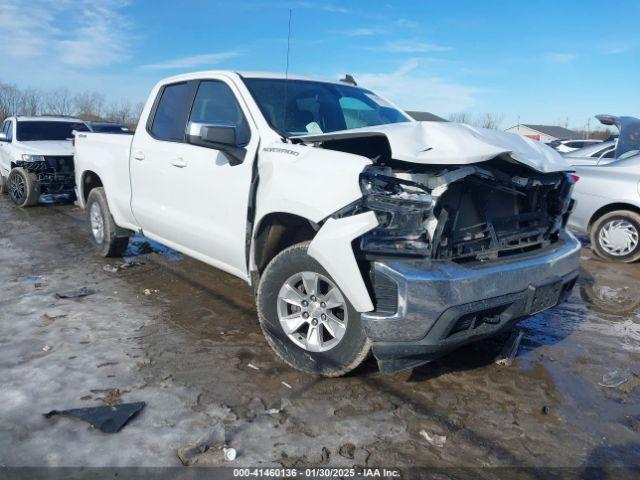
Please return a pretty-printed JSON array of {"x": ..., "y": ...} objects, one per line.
[{"x": 442, "y": 305}]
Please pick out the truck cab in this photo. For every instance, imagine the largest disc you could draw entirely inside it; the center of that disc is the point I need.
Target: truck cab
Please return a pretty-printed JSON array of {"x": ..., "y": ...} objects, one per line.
[{"x": 359, "y": 228}]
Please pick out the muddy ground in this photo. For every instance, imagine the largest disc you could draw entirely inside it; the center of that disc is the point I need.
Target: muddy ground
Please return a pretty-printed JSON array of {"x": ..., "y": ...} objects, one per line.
[{"x": 183, "y": 337}]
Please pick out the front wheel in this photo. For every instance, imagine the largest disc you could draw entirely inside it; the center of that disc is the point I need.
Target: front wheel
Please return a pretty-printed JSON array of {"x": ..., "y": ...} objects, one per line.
[
  {"x": 616, "y": 236},
  {"x": 305, "y": 317},
  {"x": 23, "y": 186},
  {"x": 103, "y": 228}
]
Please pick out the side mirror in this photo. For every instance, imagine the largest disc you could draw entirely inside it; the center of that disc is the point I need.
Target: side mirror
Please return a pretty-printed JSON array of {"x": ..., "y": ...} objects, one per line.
[
  {"x": 220, "y": 136},
  {"x": 3, "y": 137}
]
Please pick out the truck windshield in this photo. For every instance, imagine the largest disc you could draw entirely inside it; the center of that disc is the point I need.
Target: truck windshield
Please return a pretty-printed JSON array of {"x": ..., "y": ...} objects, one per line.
[
  {"x": 29, "y": 131},
  {"x": 318, "y": 107}
]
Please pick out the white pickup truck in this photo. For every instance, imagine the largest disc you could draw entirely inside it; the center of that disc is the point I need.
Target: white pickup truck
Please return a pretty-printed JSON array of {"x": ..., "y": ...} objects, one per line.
[{"x": 360, "y": 229}]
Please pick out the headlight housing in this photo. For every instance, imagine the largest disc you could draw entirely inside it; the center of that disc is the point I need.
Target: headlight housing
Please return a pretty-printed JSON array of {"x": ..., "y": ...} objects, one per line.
[
  {"x": 32, "y": 158},
  {"x": 402, "y": 208}
]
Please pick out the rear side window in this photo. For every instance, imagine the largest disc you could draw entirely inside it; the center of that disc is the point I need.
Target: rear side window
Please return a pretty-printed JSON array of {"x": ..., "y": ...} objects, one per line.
[
  {"x": 6, "y": 128},
  {"x": 172, "y": 111},
  {"x": 216, "y": 103}
]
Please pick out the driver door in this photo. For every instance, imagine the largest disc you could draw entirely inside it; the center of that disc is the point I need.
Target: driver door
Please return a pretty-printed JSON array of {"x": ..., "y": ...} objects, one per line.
[{"x": 190, "y": 197}]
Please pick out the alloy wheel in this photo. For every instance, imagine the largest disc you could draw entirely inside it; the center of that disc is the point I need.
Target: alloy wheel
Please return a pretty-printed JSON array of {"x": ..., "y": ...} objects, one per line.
[{"x": 312, "y": 311}]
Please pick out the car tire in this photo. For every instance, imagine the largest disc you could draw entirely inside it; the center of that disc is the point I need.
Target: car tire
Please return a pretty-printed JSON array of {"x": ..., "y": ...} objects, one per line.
[
  {"x": 336, "y": 344},
  {"x": 103, "y": 228},
  {"x": 615, "y": 236},
  {"x": 23, "y": 187}
]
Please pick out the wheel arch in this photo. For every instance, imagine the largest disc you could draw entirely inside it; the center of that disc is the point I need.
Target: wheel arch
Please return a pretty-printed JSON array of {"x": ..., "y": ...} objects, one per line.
[
  {"x": 611, "y": 207},
  {"x": 275, "y": 232},
  {"x": 88, "y": 182}
]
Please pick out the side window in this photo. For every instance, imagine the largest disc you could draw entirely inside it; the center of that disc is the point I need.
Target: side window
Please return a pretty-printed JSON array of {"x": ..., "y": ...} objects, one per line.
[
  {"x": 610, "y": 154},
  {"x": 172, "y": 111},
  {"x": 216, "y": 103},
  {"x": 7, "y": 128}
]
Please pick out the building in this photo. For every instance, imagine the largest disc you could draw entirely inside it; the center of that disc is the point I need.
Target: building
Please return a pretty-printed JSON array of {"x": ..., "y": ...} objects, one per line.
[
  {"x": 544, "y": 133},
  {"x": 426, "y": 117}
]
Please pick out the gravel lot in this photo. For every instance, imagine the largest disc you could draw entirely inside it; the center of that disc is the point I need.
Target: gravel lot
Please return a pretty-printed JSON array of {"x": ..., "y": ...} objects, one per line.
[{"x": 183, "y": 337}]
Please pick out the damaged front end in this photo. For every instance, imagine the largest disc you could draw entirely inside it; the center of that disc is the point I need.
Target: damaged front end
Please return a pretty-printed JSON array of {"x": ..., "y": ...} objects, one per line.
[
  {"x": 465, "y": 213},
  {"x": 459, "y": 253},
  {"x": 55, "y": 173}
]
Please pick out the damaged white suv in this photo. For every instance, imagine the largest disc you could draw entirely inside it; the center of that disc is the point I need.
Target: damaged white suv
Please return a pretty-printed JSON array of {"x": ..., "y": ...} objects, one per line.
[{"x": 359, "y": 228}]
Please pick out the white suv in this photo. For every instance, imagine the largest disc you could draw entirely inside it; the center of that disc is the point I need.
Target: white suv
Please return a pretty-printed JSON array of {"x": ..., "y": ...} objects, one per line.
[{"x": 36, "y": 156}]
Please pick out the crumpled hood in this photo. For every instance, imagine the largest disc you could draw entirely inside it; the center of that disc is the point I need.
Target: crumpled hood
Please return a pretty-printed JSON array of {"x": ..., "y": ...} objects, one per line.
[
  {"x": 46, "y": 147},
  {"x": 442, "y": 143}
]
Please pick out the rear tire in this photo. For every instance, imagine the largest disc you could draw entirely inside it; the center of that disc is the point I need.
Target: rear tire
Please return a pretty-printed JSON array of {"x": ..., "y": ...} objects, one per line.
[
  {"x": 615, "y": 236},
  {"x": 103, "y": 228},
  {"x": 23, "y": 187},
  {"x": 340, "y": 345}
]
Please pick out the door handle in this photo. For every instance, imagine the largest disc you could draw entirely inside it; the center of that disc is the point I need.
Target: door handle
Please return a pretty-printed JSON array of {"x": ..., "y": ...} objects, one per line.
[
  {"x": 179, "y": 162},
  {"x": 139, "y": 156}
]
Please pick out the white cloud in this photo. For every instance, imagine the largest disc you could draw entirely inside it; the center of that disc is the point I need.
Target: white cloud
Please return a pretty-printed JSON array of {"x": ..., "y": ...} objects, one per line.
[
  {"x": 360, "y": 32},
  {"x": 321, "y": 5},
  {"x": 410, "y": 87},
  {"x": 80, "y": 33},
  {"x": 561, "y": 57},
  {"x": 411, "y": 46},
  {"x": 192, "y": 61},
  {"x": 404, "y": 23}
]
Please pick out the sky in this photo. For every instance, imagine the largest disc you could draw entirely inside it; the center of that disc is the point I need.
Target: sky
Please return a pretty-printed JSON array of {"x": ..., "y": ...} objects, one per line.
[{"x": 538, "y": 61}]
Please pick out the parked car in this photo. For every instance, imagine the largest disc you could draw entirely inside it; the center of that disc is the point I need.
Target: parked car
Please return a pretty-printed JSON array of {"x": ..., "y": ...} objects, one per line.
[
  {"x": 608, "y": 196},
  {"x": 108, "y": 127},
  {"x": 565, "y": 146},
  {"x": 36, "y": 157},
  {"x": 603, "y": 152},
  {"x": 357, "y": 227}
]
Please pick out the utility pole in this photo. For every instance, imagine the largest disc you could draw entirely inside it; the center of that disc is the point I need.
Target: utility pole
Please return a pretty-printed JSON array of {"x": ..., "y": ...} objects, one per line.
[{"x": 588, "y": 128}]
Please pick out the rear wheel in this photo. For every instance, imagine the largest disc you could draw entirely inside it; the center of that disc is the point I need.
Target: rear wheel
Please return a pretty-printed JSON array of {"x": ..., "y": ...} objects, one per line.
[
  {"x": 103, "y": 228},
  {"x": 305, "y": 317},
  {"x": 23, "y": 187},
  {"x": 616, "y": 236}
]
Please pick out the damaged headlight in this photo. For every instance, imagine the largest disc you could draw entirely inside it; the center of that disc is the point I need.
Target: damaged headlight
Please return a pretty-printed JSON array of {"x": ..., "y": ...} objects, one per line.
[
  {"x": 402, "y": 208},
  {"x": 32, "y": 158}
]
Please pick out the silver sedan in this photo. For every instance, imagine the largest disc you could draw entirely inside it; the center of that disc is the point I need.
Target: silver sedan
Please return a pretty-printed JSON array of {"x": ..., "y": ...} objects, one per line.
[{"x": 607, "y": 196}]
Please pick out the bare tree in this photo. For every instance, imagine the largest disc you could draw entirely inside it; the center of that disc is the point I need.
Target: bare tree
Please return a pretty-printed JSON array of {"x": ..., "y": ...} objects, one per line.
[
  {"x": 486, "y": 120},
  {"x": 58, "y": 102},
  {"x": 9, "y": 100},
  {"x": 460, "y": 117},
  {"x": 30, "y": 102},
  {"x": 120, "y": 112},
  {"x": 490, "y": 120},
  {"x": 89, "y": 105}
]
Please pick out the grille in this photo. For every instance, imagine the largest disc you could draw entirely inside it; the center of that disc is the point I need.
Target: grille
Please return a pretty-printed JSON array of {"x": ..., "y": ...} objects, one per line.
[{"x": 61, "y": 163}]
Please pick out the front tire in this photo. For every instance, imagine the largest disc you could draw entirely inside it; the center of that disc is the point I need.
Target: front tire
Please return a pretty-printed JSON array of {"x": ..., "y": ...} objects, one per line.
[
  {"x": 306, "y": 319},
  {"x": 103, "y": 228},
  {"x": 616, "y": 236},
  {"x": 23, "y": 187}
]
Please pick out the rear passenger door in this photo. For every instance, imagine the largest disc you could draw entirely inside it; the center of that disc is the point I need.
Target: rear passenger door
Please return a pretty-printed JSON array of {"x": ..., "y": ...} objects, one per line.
[{"x": 188, "y": 196}]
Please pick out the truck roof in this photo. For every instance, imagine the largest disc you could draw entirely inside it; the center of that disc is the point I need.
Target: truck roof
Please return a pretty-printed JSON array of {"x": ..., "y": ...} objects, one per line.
[
  {"x": 48, "y": 118},
  {"x": 247, "y": 74}
]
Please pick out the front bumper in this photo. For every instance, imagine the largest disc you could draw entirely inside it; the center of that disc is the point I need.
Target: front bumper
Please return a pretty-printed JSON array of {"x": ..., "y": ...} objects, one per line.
[{"x": 440, "y": 306}]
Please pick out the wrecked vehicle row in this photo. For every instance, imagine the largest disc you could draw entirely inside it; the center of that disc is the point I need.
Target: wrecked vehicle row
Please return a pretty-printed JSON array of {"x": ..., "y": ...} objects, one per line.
[{"x": 358, "y": 228}]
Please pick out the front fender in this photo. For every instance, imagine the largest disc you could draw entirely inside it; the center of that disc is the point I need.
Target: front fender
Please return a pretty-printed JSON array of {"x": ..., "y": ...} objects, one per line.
[
  {"x": 332, "y": 248},
  {"x": 306, "y": 181},
  {"x": 313, "y": 183}
]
